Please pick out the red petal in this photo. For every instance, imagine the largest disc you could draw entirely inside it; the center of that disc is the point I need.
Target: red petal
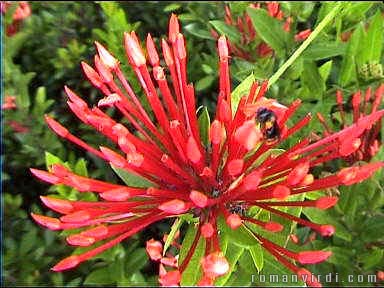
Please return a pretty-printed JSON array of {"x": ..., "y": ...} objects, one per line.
[
  {"x": 235, "y": 167},
  {"x": 215, "y": 132},
  {"x": 134, "y": 50},
  {"x": 193, "y": 152},
  {"x": 80, "y": 240},
  {"x": 171, "y": 278},
  {"x": 312, "y": 257},
  {"x": 56, "y": 127},
  {"x": 59, "y": 205},
  {"x": 348, "y": 146},
  {"x": 49, "y": 222},
  {"x": 118, "y": 194},
  {"x": 248, "y": 135},
  {"x": 106, "y": 57},
  {"x": 273, "y": 226},
  {"x": 76, "y": 217},
  {"x": 154, "y": 249},
  {"x": 214, "y": 264},
  {"x": 234, "y": 221},
  {"x": 175, "y": 206},
  {"x": 45, "y": 176},
  {"x": 66, "y": 263},
  {"x": 152, "y": 52},
  {"x": 96, "y": 232},
  {"x": 298, "y": 173},
  {"x": 326, "y": 202},
  {"x": 207, "y": 230},
  {"x": 198, "y": 198},
  {"x": 327, "y": 230},
  {"x": 281, "y": 192}
]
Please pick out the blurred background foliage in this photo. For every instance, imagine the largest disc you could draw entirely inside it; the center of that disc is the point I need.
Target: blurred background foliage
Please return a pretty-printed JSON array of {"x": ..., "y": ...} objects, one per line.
[{"x": 44, "y": 54}]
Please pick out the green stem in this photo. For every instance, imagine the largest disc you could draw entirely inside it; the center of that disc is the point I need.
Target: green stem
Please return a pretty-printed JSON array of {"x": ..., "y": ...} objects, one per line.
[{"x": 305, "y": 44}]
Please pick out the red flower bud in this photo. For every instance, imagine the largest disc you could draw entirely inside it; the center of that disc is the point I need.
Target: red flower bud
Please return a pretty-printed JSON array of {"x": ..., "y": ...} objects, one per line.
[
  {"x": 154, "y": 249},
  {"x": 281, "y": 192},
  {"x": 248, "y": 135},
  {"x": 106, "y": 57},
  {"x": 207, "y": 230},
  {"x": 67, "y": 263},
  {"x": 312, "y": 257},
  {"x": 198, "y": 198},
  {"x": 171, "y": 278},
  {"x": 326, "y": 202},
  {"x": 174, "y": 207},
  {"x": 235, "y": 167},
  {"x": 214, "y": 264},
  {"x": 56, "y": 204},
  {"x": 234, "y": 221},
  {"x": 193, "y": 152},
  {"x": 298, "y": 173}
]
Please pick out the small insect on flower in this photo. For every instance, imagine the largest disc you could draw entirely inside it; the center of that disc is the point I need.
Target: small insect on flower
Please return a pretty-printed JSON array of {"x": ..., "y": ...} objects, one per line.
[{"x": 268, "y": 124}]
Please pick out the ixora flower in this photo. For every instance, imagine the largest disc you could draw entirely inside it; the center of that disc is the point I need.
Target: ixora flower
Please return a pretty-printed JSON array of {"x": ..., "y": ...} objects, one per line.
[
  {"x": 249, "y": 35},
  {"x": 22, "y": 12},
  {"x": 221, "y": 178},
  {"x": 368, "y": 144}
]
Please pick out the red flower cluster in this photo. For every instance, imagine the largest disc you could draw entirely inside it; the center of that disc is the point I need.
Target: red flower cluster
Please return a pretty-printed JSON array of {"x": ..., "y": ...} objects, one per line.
[
  {"x": 9, "y": 103},
  {"x": 248, "y": 33},
  {"x": 368, "y": 144},
  {"x": 22, "y": 12},
  {"x": 225, "y": 177},
  {"x": 155, "y": 252}
]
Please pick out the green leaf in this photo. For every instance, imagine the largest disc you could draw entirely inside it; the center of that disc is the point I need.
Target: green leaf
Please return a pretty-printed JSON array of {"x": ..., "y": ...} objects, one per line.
[
  {"x": 196, "y": 30},
  {"x": 224, "y": 29},
  {"x": 322, "y": 50},
  {"x": 371, "y": 227},
  {"x": 204, "y": 82},
  {"x": 241, "y": 237},
  {"x": 311, "y": 79},
  {"x": 328, "y": 217},
  {"x": 171, "y": 7},
  {"x": 131, "y": 179},
  {"x": 27, "y": 242},
  {"x": 264, "y": 156},
  {"x": 233, "y": 255},
  {"x": 256, "y": 252},
  {"x": 192, "y": 272},
  {"x": 51, "y": 159},
  {"x": 341, "y": 256},
  {"x": 274, "y": 274},
  {"x": 241, "y": 90},
  {"x": 99, "y": 277},
  {"x": 372, "y": 258},
  {"x": 246, "y": 263},
  {"x": 356, "y": 11},
  {"x": 171, "y": 236},
  {"x": 136, "y": 260},
  {"x": 373, "y": 41},
  {"x": 81, "y": 168},
  {"x": 269, "y": 29},
  {"x": 325, "y": 69},
  {"x": 41, "y": 103},
  {"x": 204, "y": 124},
  {"x": 348, "y": 65}
]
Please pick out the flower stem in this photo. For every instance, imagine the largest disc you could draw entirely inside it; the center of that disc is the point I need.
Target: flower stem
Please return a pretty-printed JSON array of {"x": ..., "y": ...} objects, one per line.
[{"x": 305, "y": 44}]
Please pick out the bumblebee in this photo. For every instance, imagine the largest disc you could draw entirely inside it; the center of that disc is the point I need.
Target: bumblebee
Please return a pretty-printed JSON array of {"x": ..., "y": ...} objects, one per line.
[
  {"x": 267, "y": 120},
  {"x": 238, "y": 208}
]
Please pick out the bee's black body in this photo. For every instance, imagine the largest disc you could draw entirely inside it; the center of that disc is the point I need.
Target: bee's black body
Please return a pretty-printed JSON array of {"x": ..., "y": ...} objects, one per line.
[{"x": 268, "y": 124}]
